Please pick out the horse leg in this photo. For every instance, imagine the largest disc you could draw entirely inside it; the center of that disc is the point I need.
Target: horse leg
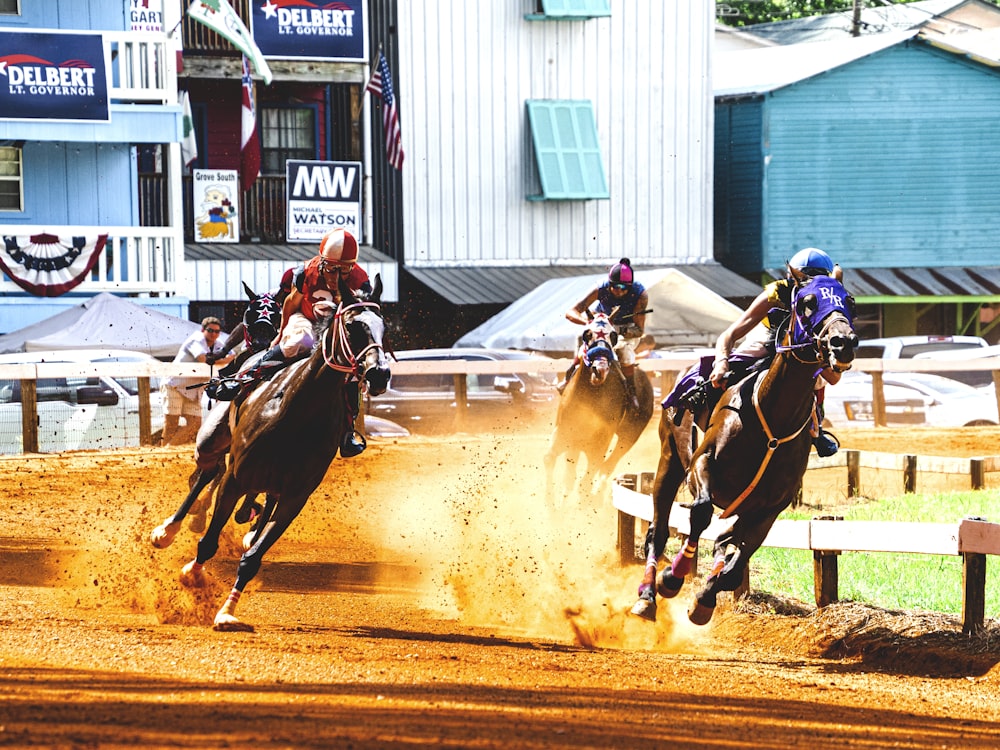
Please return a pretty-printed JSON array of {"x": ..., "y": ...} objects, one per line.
[
  {"x": 225, "y": 618},
  {"x": 225, "y": 500},
  {"x": 701, "y": 517},
  {"x": 163, "y": 535},
  {"x": 733, "y": 551},
  {"x": 264, "y": 515},
  {"x": 669, "y": 475}
]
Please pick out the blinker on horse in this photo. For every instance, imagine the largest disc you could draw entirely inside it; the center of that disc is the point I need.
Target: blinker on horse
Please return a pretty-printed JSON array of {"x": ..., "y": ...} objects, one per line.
[
  {"x": 754, "y": 452},
  {"x": 285, "y": 434}
]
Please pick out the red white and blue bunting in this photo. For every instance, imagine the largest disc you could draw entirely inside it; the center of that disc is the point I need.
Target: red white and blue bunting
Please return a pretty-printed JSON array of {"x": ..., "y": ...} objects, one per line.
[{"x": 48, "y": 266}]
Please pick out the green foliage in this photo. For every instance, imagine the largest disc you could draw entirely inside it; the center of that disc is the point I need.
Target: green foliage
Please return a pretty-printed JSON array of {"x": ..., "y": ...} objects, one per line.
[
  {"x": 747, "y": 12},
  {"x": 891, "y": 581}
]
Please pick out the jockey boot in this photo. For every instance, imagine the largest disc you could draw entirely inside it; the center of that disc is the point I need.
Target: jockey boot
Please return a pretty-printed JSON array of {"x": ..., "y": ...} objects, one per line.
[
  {"x": 272, "y": 361},
  {"x": 353, "y": 443},
  {"x": 631, "y": 399},
  {"x": 825, "y": 443}
]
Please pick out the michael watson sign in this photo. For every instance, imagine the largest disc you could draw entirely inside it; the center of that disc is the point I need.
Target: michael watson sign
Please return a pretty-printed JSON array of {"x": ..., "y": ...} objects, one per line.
[
  {"x": 323, "y": 195},
  {"x": 53, "y": 76}
]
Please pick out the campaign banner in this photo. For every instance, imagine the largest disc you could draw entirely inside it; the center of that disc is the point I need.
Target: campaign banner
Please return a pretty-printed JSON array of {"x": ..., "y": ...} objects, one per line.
[
  {"x": 217, "y": 205},
  {"x": 146, "y": 15},
  {"x": 322, "y": 195},
  {"x": 305, "y": 30},
  {"x": 53, "y": 76}
]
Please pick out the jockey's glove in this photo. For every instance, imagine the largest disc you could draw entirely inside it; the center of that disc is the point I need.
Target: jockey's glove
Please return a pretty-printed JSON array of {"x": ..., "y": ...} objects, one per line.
[{"x": 720, "y": 371}]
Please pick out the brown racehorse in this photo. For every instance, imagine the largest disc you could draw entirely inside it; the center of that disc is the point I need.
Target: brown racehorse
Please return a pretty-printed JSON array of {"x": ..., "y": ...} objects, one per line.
[
  {"x": 284, "y": 436},
  {"x": 595, "y": 423},
  {"x": 754, "y": 452}
]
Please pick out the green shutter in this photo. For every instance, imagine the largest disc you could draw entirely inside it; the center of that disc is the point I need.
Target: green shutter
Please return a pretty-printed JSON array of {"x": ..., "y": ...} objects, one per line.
[
  {"x": 567, "y": 151},
  {"x": 571, "y": 10}
]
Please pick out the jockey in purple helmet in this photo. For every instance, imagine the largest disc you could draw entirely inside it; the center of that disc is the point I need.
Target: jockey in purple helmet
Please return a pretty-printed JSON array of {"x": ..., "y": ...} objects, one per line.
[{"x": 624, "y": 300}]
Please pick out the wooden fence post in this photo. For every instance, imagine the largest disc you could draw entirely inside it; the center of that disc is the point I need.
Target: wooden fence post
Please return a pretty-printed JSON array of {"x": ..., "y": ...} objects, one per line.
[
  {"x": 853, "y": 473},
  {"x": 29, "y": 416},
  {"x": 973, "y": 592},
  {"x": 909, "y": 474},
  {"x": 825, "y": 577},
  {"x": 145, "y": 417},
  {"x": 626, "y": 526},
  {"x": 977, "y": 473}
]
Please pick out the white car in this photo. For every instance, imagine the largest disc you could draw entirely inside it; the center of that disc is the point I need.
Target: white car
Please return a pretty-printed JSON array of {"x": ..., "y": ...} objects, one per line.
[
  {"x": 911, "y": 398},
  {"x": 78, "y": 413},
  {"x": 906, "y": 347}
]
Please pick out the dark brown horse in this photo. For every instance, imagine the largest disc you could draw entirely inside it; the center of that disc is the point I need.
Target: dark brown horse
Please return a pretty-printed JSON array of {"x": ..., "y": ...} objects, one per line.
[
  {"x": 595, "y": 423},
  {"x": 753, "y": 454},
  {"x": 284, "y": 436}
]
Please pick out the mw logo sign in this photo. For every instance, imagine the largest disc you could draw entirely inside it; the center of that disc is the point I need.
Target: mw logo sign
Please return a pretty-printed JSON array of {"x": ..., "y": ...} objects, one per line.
[{"x": 322, "y": 195}]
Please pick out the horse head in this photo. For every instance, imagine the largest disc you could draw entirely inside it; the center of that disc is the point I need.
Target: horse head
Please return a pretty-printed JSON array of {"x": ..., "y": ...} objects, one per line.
[
  {"x": 599, "y": 338},
  {"x": 352, "y": 343},
  {"x": 261, "y": 320},
  {"x": 823, "y": 319}
]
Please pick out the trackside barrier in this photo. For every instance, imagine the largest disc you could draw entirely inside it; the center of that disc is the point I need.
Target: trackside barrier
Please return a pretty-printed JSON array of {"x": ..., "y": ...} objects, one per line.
[
  {"x": 910, "y": 466},
  {"x": 972, "y": 538}
]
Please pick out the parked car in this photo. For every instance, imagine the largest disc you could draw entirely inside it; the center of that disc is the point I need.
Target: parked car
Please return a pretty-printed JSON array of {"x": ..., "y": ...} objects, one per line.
[
  {"x": 911, "y": 398},
  {"x": 905, "y": 347},
  {"x": 975, "y": 378},
  {"x": 78, "y": 412},
  {"x": 427, "y": 402}
]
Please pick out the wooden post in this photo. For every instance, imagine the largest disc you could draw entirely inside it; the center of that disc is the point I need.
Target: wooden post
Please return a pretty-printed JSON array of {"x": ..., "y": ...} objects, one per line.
[
  {"x": 909, "y": 474},
  {"x": 825, "y": 577},
  {"x": 461, "y": 399},
  {"x": 977, "y": 473},
  {"x": 973, "y": 592},
  {"x": 145, "y": 417},
  {"x": 853, "y": 473},
  {"x": 29, "y": 416},
  {"x": 626, "y": 538},
  {"x": 878, "y": 400}
]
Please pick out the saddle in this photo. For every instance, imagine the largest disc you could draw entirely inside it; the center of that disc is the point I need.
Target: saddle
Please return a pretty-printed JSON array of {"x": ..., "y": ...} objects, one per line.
[{"x": 256, "y": 370}]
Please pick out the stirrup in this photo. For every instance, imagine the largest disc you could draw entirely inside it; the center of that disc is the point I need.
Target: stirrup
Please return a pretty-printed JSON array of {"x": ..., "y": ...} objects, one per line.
[
  {"x": 826, "y": 444},
  {"x": 349, "y": 447}
]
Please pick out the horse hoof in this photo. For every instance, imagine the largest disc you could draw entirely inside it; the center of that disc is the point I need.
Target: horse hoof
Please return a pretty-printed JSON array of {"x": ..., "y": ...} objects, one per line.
[
  {"x": 163, "y": 535},
  {"x": 668, "y": 586},
  {"x": 228, "y": 624},
  {"x": 194, "y": 579},
  {"x": 645, "y": 609},
  {"x": 699, "y": 614}
]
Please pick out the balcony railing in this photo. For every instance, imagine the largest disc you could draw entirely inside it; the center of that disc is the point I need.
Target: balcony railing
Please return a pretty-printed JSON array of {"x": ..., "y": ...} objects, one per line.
[
  {"x": 262, "y": 208},
  {"x": 136, "y": 260},
  {"x": 141, "y": 68},
  {"x": 199, "y": 38}
]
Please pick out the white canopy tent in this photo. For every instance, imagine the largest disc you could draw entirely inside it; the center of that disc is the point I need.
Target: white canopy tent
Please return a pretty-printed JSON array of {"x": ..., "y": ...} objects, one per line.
[
  {"x": 684, "y": 313},
  {"x": 104, "y": 322}
]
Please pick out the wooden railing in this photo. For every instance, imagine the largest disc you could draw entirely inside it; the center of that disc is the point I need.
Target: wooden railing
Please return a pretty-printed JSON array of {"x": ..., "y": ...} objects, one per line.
[
  {"x": 262, "y": 207},
  {"x": 199, "y": 38},
  {"x": 141, "y": 68},
  {"x": 136, "y": 260}
]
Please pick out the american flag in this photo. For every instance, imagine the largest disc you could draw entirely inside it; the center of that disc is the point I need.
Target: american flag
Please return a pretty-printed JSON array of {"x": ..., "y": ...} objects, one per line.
[{"x": 381, "y": 85}]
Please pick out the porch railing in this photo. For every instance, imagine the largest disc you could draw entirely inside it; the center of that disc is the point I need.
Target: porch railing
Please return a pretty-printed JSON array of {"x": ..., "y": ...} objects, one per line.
[
  {"x": 141, "y": 68},
  {"x": 135, "y": 260},
  {"x": 199, "y": 38},
  {"x": 262, "y": 208}
]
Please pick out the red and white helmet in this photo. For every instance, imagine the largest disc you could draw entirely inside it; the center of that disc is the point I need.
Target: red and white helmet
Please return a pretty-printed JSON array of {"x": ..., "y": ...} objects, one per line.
[{"x": 339, "y": 246}]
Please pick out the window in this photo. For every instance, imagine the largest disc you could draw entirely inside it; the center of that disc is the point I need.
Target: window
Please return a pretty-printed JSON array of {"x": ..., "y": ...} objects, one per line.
[
  {"x": 10, "y": 7},
  {"x": 569, "y": 10},
  {"x": 11, "y": 197},
  {"x": 567, "y": 151},
  {"x": 286, "y": 134}
]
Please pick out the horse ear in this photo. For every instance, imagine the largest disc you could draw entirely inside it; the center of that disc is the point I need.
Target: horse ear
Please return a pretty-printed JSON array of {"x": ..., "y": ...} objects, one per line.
[
  {"x": 250, "y": 295},
  {"x": 376, "y": 294},
  {"x": 346, "y": 293},
  {"x": 852, "y": 306},
  {"x": 806, "y": 305}
]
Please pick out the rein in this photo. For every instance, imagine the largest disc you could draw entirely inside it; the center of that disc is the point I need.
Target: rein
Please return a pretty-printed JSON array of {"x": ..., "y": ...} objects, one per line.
[
  {"x": 772, "y": 446},
  {"x": 341, "y": 340}
]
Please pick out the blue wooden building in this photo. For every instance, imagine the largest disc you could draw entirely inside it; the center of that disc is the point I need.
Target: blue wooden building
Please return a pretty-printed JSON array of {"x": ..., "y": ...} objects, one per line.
[
  {"x": 882, "y": 150},
  {"x": 69, "y": 171}
]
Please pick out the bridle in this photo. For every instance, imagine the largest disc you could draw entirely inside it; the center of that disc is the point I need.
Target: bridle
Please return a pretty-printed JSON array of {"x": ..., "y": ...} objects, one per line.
[{"x": 338, "y": 353}]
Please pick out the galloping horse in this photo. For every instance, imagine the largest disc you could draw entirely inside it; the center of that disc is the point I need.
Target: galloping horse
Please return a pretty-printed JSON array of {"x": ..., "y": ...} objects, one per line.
[
  {"x": 284, "y": 436},
  {"x": 258, "y": 328},
  {"x": 594, "y": 411},
  {"x": 754, "y": 452}
]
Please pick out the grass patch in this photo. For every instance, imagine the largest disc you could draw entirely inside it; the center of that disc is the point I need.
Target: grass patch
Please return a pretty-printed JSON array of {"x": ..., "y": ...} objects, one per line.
[{"x": 893, "y": 581}]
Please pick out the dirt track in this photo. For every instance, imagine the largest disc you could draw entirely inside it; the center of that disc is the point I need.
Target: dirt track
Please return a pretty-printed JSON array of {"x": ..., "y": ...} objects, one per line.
[{"x": 426, "y": 596}]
